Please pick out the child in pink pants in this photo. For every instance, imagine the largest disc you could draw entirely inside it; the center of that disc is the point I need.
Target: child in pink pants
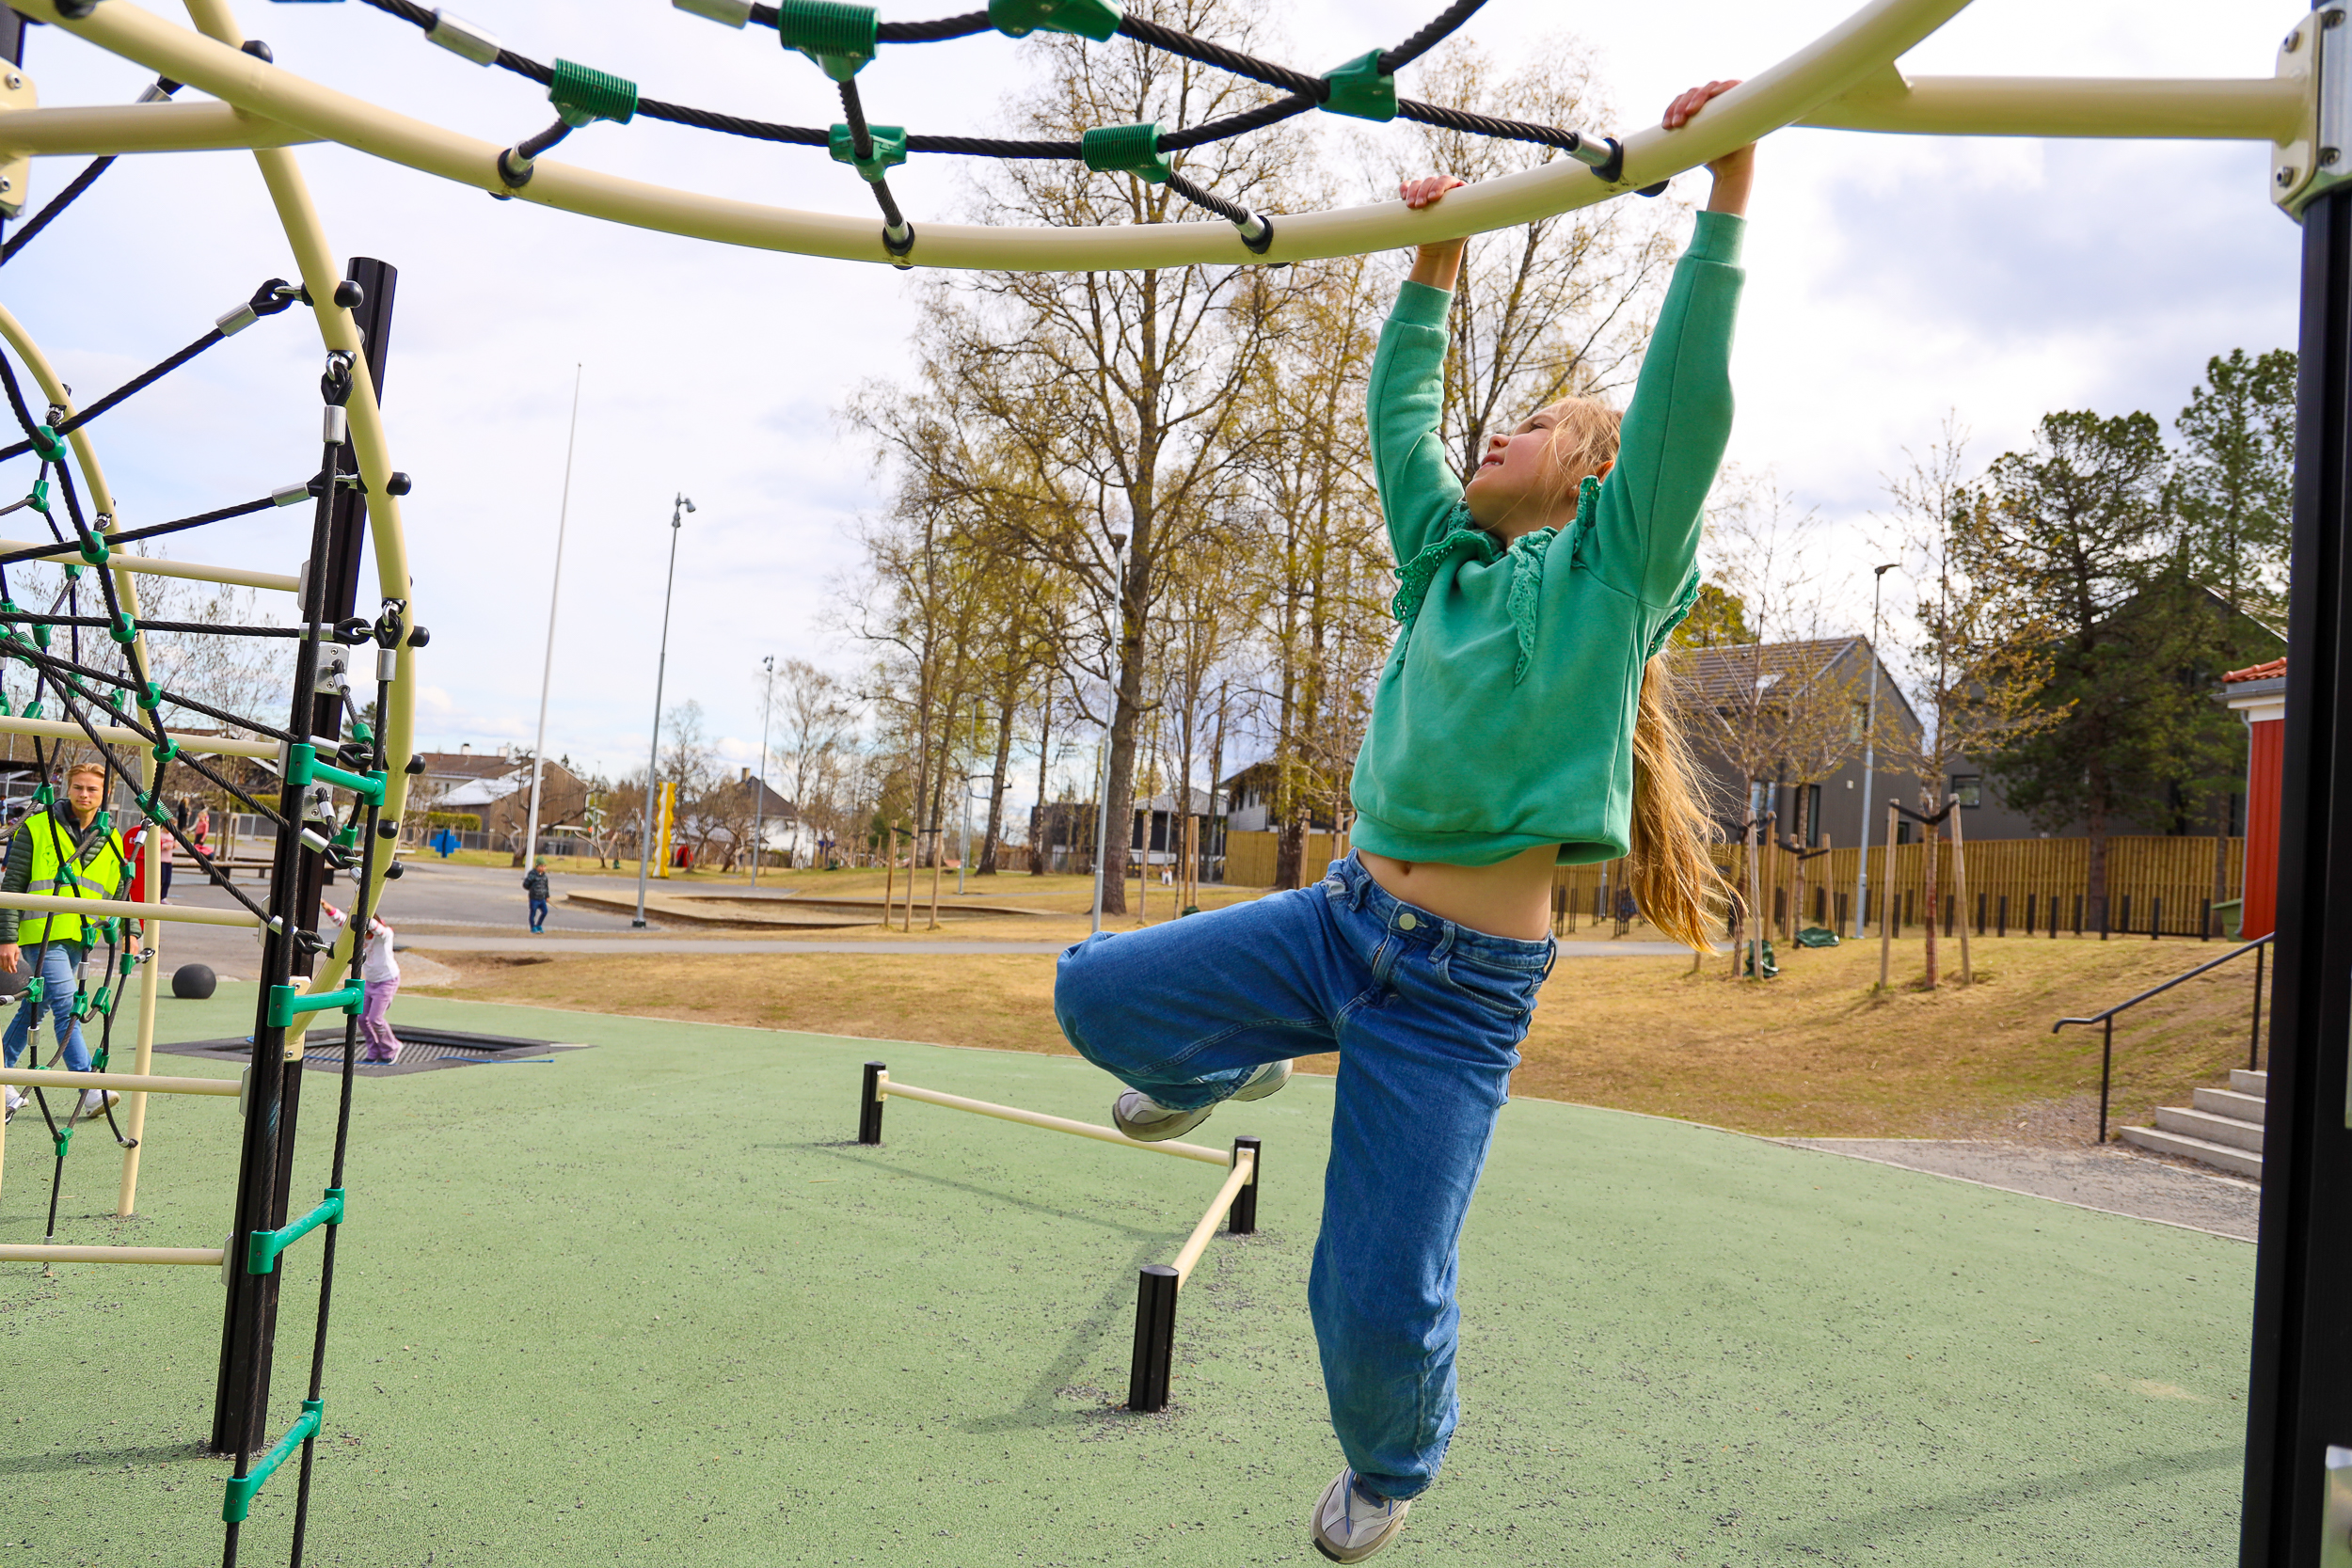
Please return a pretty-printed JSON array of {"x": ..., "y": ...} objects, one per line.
[{"x": 380, "y": 972}]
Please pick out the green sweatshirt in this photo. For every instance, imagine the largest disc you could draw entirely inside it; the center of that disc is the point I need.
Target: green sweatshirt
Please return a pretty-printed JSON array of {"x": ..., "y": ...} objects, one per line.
[{"x": 1505, "y": 717}]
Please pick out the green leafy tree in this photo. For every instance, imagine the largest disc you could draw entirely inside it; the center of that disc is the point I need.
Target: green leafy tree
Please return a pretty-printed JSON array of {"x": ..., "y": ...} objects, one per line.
[
  {"x": 2076, "y": 536},
  {"x": 2235, "y": 483}
]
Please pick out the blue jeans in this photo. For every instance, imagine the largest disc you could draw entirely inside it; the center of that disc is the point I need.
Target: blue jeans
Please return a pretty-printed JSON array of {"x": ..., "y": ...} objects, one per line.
[
  {"x": 1427, "y": 1017},
  {"x": 538, "y": 914},
  {"x": 60, "y": 972}
]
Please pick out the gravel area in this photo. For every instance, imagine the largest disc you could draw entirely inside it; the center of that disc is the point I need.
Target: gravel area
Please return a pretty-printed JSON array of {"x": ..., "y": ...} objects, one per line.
[{"x": 2111, "y": 1180}]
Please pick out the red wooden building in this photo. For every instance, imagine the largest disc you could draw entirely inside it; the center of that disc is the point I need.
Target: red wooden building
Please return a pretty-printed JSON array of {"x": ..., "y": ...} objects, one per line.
[{"x": 2259, "y": 692}]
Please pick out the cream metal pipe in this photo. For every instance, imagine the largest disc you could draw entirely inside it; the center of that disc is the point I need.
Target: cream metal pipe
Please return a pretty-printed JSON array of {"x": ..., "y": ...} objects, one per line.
[
  {"x": 43, "y": 903},
  {"x": 160, "y": 566},
  {"x": 889, "y": 1088},
  {"x": 143, "y": 1055},
  {"x": 133, "y": 1083},
  {"x": 298, "y": 216},
  {"x": 1866, "y": 43},
  {"x": 2266, "y": 108},
  {"x": 113, "y": 734},
  {"x": 199, "y": 1256},
  {"x": 106, "y": 130},
  {"x": 1197, "y": 1242}
]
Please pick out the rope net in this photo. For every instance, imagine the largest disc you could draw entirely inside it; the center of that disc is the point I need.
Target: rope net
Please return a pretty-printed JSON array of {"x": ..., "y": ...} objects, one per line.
[
  {"x": 92, "y": 679},
  {"x": 842, "y": 37}
]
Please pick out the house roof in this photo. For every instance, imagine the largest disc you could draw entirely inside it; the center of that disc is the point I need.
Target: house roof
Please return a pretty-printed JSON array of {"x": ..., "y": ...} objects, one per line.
[
  {"x": 2272, "y": 671},
  {"x": 1715, "y": 676}
]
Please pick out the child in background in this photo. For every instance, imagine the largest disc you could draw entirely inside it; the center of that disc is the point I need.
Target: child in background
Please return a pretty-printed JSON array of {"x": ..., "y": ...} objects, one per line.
[
  {"x": 380, "y": 972},
  {"x": 1522, "y": 722}
]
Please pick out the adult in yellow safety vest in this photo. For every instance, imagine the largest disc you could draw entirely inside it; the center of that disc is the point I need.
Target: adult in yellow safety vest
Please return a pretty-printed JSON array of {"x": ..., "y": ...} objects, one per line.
[{"x": 66, "y": 850}]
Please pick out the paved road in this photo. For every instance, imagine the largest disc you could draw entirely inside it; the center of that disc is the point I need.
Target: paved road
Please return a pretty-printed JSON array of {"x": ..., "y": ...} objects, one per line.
[{"x": 433, "y": 896}]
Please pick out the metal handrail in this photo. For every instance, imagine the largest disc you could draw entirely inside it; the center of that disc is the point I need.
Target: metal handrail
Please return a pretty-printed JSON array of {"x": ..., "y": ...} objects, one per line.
[{"x": 2107, "y": 1020}]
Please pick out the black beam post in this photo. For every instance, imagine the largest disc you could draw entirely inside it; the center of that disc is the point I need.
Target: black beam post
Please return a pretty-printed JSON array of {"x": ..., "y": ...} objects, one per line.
[
  {"x": 2299, "y": 1401},
  {"x": 1155, "y": 1339},
  {"x": 1242, "y": 1215},
  {"x": 298, "y": 879},
  {"x": 869, "y": 1105}
]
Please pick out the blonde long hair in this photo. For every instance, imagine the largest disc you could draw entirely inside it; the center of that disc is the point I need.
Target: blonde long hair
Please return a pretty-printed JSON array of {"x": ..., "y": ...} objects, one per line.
[{"x": 1673, "y": 876}]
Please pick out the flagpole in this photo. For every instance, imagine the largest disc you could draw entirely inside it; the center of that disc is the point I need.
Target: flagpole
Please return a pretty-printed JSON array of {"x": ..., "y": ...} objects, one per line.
[{"x": 555, "y": 591}]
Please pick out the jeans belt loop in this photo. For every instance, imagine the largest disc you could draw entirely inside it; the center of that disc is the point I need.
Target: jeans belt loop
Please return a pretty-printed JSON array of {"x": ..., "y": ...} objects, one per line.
[{"x": 1445, "y": 939}]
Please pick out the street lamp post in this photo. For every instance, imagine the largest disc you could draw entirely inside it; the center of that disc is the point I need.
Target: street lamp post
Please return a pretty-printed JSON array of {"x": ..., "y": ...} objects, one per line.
[
  {"x": 1869, "y": 756},
  {"x": 1103, "y": 804},
  {"x": 760, "y": 780},
  {"x": 547, "y": 670},
  {"x": 653, "y": 759}
]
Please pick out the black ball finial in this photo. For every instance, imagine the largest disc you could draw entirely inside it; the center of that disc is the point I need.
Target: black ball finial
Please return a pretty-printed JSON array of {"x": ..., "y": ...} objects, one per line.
[{"x": 349, "y": 295}]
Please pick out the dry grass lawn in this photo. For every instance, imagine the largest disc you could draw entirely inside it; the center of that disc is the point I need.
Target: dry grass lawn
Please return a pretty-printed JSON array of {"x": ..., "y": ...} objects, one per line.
[{"x": 1814, "y": 1053}]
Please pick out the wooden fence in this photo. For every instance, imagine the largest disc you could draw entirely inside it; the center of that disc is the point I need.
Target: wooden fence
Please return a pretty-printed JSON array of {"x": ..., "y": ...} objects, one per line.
[
  {"x": 2014, "y": 884},
  {"x": 1250, "y": 857}
]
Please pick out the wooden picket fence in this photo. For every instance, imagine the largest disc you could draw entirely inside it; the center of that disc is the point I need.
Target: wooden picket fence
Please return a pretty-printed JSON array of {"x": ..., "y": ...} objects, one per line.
[
  {"x": 1250, "y": 857},
  {"x": 2014, "y": 884}
]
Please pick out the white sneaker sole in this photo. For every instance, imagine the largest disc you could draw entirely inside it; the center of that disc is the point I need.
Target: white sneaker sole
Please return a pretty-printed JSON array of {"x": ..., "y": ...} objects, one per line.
[
  {"x": 1265, "y": 1080},
  {"x": 1351, "y": 1553},
  {"x": 1160, "y": 1129}
]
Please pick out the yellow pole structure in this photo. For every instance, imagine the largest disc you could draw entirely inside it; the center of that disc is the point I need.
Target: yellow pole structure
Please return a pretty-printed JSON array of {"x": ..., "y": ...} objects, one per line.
[
  {"x": 152, "y": 937},
  {"x": 1887, "y": 897}
]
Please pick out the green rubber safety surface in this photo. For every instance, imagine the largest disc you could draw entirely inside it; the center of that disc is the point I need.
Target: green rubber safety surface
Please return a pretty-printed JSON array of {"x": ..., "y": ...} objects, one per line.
[{"x": 649, "y": 1303}]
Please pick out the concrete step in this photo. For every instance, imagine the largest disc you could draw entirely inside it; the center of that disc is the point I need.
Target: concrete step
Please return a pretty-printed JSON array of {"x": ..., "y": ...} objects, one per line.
[
  {"x": 2250, "y": 1083},
  {"x": 2213, "y": 1128},
  {"x": 2228, "y": 1103},
  {"x": 2237, "y": 1162}
]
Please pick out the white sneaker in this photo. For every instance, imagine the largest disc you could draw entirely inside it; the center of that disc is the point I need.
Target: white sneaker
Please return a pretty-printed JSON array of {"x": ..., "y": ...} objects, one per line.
[
  {"x": 1349, "y": 1523},
  {"x": 1263, "y": 1082},
  {"x": 98, "y": 1102},
  {"x": 1145, "y": 1120},
  {"x": 15, "y": 1102}
]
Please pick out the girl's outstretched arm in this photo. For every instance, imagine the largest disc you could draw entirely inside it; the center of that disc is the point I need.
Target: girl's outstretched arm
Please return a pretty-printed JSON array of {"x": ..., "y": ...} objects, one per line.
[
  {"x": 1734, "y": 171},
  {"x": 1419, "y": 487}
]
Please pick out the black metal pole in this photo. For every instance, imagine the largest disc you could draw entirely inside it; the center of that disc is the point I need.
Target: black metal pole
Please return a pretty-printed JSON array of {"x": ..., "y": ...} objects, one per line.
[
  {"x": 2255, "y": 1040},
  {"x": 1243, "y": 1216},
  {"x": 869, "y": 1105},
  {"x": 2300, "y": 1396},
  {"x": 2106, "y": 1071},
  {"x": 297, "y": 877},
  {"x": 1155, "y": 1339}
]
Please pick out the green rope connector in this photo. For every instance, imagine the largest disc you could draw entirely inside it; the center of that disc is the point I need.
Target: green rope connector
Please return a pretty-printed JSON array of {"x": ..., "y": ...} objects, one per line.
[
  {"x": 890, "y": 148},
  {"x": 348, "y": 838},
  {"x": 839, "y": 37},
  {"x": 40, "y": 634},
  {"x": 47, "y": 444},
  {"x": 33, "y": 989},
  {"x": 360, "y": 733},
  {"x": 129, "y": 962},
  {"x": 38, "y": 499},
  {"x": 65, "y": 1139},
  {"x": 303, "y": 766},
  {"x": 583, "y": 94},
  {"x": 102, "y": 1001},
  {"x": 151, "y": 696},
  {"x": 242, "y": 1488},
  {"x": 166, "y": 751},
  {"x": 81, "y": 1007},
  {"x": 285, "y": 1002},
  {"x": 94, "y": 550},
  {"x": 262, "y": 1247},
  {"x": 1089, "y": 19},
  {"x": 1361, "y": 90},
  {"x": 1127, "y": 149},
  {"x": 122, "y": 628}
]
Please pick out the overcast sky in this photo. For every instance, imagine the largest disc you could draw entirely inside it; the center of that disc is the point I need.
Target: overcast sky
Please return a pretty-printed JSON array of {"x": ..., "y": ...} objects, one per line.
[{"x": 1891, "y": 278}]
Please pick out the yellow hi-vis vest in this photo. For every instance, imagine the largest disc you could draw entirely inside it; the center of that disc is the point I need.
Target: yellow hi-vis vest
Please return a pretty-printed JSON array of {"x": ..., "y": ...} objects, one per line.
[{"x": 98, "y": 872}]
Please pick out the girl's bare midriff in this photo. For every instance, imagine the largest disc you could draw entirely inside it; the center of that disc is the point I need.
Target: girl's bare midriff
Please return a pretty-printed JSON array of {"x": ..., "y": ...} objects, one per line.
[{"x": 1510, "y": 899}]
